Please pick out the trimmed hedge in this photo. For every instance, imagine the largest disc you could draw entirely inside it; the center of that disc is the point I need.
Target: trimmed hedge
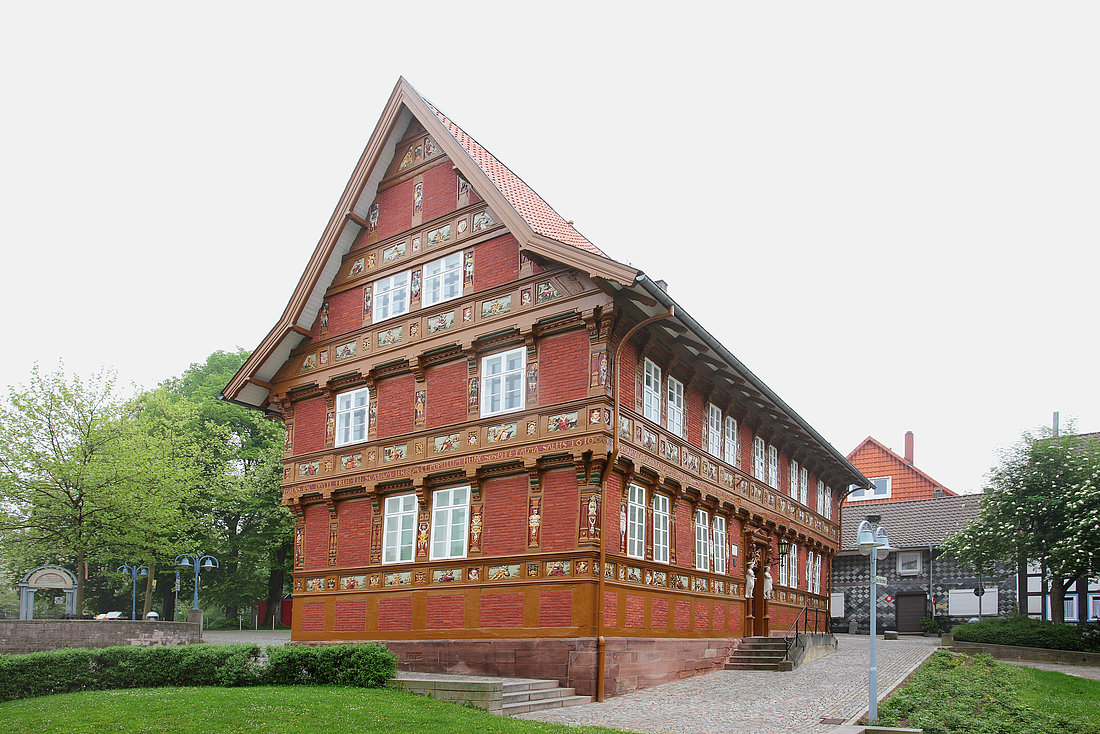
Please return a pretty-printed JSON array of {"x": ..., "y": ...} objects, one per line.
[
  {"x": 1024, "y": 631},
  {"x": 65, "y": 671}
]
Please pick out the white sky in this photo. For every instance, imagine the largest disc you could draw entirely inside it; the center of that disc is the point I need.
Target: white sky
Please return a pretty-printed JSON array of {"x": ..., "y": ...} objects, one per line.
[{"x": 888, "y": 211}]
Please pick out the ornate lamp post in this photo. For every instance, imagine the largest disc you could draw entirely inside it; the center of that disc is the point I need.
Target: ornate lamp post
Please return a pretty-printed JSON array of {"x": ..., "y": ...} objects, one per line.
[
  {"x": 134, "y": 572},
  {"x": 877, "y": 545},
  {"x": 187, "y": 560}
]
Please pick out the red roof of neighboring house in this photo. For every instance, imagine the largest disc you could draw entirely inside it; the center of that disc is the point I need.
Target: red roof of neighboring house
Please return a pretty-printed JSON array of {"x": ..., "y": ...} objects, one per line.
[
  {"x": 539, "y": 215},
  {"x": 875, "y": 460}
]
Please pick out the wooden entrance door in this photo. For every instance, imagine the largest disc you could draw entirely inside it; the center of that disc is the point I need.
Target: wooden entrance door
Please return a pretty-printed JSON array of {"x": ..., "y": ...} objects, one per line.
[{"x": 911, "y": 609}]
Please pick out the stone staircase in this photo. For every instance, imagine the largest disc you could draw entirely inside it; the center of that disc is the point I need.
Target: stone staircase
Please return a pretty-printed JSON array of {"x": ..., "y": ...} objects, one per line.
[
  {"x": 759, "y": 653},
  {"x": 527, "y": 694}
]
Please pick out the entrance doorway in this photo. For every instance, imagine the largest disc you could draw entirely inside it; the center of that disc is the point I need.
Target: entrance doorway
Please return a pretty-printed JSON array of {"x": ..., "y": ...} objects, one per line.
[{"x": 911, "y": 609}]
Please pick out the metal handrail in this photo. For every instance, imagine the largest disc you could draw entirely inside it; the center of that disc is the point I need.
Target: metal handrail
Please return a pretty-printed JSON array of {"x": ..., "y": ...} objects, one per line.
[{"x": 788, "y": 643}]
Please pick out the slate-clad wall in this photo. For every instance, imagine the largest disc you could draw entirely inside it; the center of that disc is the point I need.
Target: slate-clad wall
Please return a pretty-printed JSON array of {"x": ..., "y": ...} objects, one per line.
[{"x": 851, "y": 576}]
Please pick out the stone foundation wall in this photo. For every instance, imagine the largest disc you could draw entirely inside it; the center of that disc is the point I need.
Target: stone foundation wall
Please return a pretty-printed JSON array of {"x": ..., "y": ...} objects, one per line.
[
  {"x": 36, "y": 635},
  {"x": 631, "y": 663}
]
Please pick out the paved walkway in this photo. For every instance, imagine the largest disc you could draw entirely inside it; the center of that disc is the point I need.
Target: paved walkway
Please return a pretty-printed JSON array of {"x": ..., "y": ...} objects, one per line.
[
  {"x": 752, "y": 702},
  {"x": 1079, "y": 671}
]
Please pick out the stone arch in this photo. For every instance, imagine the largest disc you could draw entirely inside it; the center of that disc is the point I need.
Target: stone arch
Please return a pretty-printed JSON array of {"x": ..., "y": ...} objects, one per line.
[{"x": 46, "y": 577}]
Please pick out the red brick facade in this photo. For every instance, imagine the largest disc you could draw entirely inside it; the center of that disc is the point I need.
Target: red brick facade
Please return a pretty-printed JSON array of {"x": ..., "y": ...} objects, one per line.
[{"x": 492, "y": 384}]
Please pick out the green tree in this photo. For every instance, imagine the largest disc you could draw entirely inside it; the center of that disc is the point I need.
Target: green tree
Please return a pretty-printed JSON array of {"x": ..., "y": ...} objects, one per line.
[
  {"x": 81, "y": 476},
  {"x": 240, "y": 496},
  {"x": 1044, "y": 505}
]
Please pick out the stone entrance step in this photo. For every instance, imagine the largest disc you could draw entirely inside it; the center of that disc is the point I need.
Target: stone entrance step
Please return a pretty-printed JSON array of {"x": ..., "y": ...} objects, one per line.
[
  {"x": 524, "y": 695},
  {"x": 758, "y": 653}
]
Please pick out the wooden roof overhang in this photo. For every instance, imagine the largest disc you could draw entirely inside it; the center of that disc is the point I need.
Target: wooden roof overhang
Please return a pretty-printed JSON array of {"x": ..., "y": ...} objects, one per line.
[
  {"x": 689, "y": 342},
  {"x": 525, "y": 215}
]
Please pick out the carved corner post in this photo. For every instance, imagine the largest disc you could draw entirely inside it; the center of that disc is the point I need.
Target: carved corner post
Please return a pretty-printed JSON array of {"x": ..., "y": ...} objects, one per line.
[
  {"x": 299, "y": 534},
  {"x": 375, "y": 528},
  {"x": 534, "y": 505},
  {"x": 333, "y": 528},
  {"x": 477, "y": 509},
  {"x": 423, "y": 517},
  {"x": 330, "y": 417},
  {"x": 420, "y": 393},
  {"x": 590, "y": 503},
  {"x": 473, "y": 391}
]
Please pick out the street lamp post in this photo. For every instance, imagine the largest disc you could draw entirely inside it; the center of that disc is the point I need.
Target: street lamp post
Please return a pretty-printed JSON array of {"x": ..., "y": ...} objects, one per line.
[
  {"x": 877, "y": 545},
  {"x": 134, "y": 572},
  {"x": 188, "y": 560}
]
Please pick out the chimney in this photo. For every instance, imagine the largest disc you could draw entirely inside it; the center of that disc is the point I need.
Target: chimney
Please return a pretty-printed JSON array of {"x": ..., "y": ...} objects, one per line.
[
  {"x": 937, "y": 492},
  {"x": 662, "y": 285},
  {"x": 908, "y": 447}
]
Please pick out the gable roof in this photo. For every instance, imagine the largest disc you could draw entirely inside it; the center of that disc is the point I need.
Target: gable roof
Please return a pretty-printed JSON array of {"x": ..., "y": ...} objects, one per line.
[
  {"x": 536, "y": 226},
  {"x": 533, "y": 222},
  {"x": 916, "y": 523},
  {"x": 897, "y": 465}
]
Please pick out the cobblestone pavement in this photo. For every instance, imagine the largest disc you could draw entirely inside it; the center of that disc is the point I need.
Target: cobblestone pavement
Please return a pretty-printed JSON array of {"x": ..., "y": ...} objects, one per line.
[
  {"x": 260, "y": 637},
  {"x": 750, "y": 702}
]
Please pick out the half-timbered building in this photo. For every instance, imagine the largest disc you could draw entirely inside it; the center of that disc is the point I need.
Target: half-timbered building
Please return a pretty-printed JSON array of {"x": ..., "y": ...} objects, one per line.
[{"x": 509, "y": 453}]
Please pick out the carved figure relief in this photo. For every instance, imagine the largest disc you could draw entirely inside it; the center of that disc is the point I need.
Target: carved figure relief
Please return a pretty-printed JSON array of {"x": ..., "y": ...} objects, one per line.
[{"x": 418, "y": 198}]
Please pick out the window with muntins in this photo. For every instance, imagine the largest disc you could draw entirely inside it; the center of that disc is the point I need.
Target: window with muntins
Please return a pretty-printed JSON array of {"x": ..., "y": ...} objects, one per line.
[
  {"x": 442, "y": 279},
  {"x": 809, "y": 570},
  {"x": 351, "y": 416},
  {"x": 660, "y": 528},
  {"x": 502, "y": 381},
  {"x": 792, "y": 573},
  {"x": 773, "y": 467},
  {"x": 651, "y": 392},
  {"x": 817, "y": 574},
  {"x": 635, "y": 521},
  {"x": 803, "y": 481},
  {"x": 391, "y": 296},
  {"x": 399, "y": 529},
  {"x": 792, "y": 479},
  {"x": 828, "y": 503},
  {"x": 784, "y": 565},
  {"x": 719, "y": 534},
  {"x": 675, "y": 406},
  {"x": 450, "y": 515},
  {"x": 702, "y": 541},
  {"x": 732, "y": 455},
  {"x": 714, "y": 431},
  {"x": 880, "y": 490},
  {"x": 758, "y": 460},
  {"x": 821, "y": 497}
]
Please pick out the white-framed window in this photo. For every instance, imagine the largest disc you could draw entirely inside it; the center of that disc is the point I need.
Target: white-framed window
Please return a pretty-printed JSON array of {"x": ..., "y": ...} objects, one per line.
[
  {"x": 450, "y": 516},
  {"x": 702, "y": 541},
  {"x": 635, "y": 521},
  {"x": 817, "y": 574},
  {"x": 399, "y": 530},
  {"x": 351, "y": 416},
  {"x": 820, "y": 497},
  {"x": 793, "y": 558},
  {"x": 909, "y": 563},
  {"x": 803, "y": 485},
  {"x": 502, "y": 382},
  {"x": 963, "y": 603},
  {"x": 391, "y": 296},
  {"x": 759, "y": 462},
  {"x": 792, "y": 479},
  {"x": 828, "y": 511},
  {"x": 719, "y": 535},
  {"x": 836, "y": 605},
  {"x": 773, "y": 467},
  {"x": 442, "y": 279},
  {"x": 651, "y": 392},
  {"x": 784, "y": 567},
  {"x": 879, "y": 490},
  {"x": 1094, "y": 607},
  {"x": 676, "y": 423},
  {"x": 1069, "y": 608},
  {"x": 714, "y": 431},
  {"x": 809, "y": 570},
  {"x": 733, "y": 456},
  {"x": 660, "y": 528}
]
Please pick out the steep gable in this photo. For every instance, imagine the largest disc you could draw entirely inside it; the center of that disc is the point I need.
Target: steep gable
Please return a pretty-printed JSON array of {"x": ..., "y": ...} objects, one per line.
[
  {"x": 536, "y": 227},
  {"x": 874, "y": 460}
]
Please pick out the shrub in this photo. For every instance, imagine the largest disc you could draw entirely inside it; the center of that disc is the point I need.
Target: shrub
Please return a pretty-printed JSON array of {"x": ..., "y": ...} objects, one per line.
[
  {"x": 366, "y": 666},
  {"x": 65, "y": 671},
  {"x": 1023, "y": 631}
]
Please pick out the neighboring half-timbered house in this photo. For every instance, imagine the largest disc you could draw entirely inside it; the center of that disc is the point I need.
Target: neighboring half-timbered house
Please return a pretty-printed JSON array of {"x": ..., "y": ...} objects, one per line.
[{"x": 448, "y": 371}]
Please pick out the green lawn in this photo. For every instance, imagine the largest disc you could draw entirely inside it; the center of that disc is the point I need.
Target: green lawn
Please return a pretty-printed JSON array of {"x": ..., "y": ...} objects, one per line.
[
  {"x": 960, "y": 694},
  {"x": 255, "y": 710}
]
